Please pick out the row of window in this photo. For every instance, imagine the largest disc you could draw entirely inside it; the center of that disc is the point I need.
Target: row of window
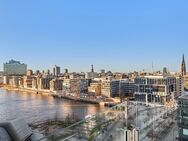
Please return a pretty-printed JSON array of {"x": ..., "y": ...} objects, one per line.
[
  {"x": 155, "y": 81},
  {"x": 149, "y": 88}
]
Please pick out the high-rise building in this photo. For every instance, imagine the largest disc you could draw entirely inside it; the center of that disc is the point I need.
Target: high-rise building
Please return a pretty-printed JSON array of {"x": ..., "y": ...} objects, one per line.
[
  {"x": 182, "y": 117},
  {"x": 183, "y": 67},
  {"x": 160, "y": 89},
  {"x": 56, "y": 70},
  {"x": 14, "y": 68}
]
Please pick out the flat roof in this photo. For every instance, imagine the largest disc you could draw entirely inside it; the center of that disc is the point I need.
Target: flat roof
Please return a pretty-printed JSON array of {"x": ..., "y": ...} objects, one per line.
[{"x": 158, "y": 76}]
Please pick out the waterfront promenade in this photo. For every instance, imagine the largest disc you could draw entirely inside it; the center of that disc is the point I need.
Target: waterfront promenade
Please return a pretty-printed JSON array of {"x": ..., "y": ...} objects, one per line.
[{"x": 83, "y": 97}]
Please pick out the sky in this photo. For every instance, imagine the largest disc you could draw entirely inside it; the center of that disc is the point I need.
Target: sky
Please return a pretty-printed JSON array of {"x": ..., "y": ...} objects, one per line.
[{"x": 117, "y": 35}]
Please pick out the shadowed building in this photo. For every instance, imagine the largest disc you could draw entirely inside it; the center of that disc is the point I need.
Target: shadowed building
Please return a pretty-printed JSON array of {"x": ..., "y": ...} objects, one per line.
[
  {"x": 183, "y": 67},
  {"x": 182, "y": 117},
  {"x": 56, "y": 70}
]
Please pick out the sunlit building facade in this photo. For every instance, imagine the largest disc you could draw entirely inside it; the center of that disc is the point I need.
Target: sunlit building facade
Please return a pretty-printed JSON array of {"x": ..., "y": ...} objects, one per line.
[{"x": 158, "y": 89}]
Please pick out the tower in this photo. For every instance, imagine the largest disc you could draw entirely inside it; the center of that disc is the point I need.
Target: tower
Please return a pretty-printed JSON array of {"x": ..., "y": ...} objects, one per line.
[
  {"x": 183, "y": 67},
  {"x": 56, "y": 70},
  {"x": 92, "y": 69}
]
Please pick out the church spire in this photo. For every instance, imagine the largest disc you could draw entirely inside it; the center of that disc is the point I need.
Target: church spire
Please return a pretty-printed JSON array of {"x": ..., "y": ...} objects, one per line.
[
  {"x": 183, "y": 61},
  {"x": 183, "y": 66}
]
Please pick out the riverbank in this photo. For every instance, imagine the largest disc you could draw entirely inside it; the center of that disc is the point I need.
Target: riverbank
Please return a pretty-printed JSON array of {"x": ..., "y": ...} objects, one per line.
[
  {"x": 64, "y": 95},
  {"x": 29, "y": 90}
]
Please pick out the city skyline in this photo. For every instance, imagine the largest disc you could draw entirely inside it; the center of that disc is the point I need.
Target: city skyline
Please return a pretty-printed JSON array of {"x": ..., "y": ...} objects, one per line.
[
  {"x": 92, "y": 68},
  {"x": 118, "y": 36}
]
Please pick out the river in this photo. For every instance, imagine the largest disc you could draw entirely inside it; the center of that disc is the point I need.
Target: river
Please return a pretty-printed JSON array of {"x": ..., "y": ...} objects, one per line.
[{"x": 33, "y": 107}]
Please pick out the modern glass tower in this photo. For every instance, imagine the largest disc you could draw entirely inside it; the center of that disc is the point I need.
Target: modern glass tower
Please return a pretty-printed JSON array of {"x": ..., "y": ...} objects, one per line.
[{"x": 14, "y": 68}]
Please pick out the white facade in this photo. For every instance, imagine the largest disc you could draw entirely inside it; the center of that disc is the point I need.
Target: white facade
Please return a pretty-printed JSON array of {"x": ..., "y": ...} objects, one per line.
[
  {"x": 106, "y": 88},
  {"x": 6, "y": 80},
  {"x": 91, "y": 75}
]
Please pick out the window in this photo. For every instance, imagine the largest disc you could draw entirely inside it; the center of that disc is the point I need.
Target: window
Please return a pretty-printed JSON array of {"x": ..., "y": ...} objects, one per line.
[{"x": 185, "y": 132}]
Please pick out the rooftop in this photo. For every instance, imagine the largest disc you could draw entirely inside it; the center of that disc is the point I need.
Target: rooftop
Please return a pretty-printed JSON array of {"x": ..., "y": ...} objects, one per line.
[
  {"x": 13, "y": 62},
  {"x": 157, "y": 76}
]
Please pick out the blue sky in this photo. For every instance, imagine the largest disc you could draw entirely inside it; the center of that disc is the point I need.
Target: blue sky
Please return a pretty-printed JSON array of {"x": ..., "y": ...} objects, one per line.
[{"x": 117, "y": 35}]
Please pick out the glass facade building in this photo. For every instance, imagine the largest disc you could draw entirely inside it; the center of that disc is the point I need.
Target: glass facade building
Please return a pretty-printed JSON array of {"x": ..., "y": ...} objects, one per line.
[{"x": 14, "y": 68}]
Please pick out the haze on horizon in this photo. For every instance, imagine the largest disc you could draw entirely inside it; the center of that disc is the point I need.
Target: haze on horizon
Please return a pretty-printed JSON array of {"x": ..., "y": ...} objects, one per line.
[{"x": 114, "y": 35}]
